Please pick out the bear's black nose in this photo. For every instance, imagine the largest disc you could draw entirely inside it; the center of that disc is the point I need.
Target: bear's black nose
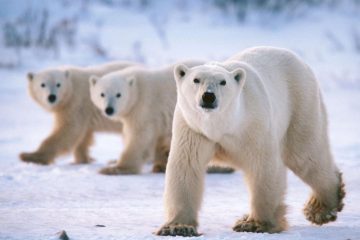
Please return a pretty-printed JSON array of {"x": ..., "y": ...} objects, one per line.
[
  {"x": 208, "y": 97},
  {"x": 52, "y": 98},
  {"x": 109, "y": 111}
]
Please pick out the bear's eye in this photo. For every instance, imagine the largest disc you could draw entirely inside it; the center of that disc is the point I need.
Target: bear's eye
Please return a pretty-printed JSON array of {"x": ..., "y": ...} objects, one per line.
[
  {"x": 196, "y": 80},
  {"x": 182, "y": 73},
  {"x": 58, "y": 85},
  {"x": 43, "y": 85},
  {"x": 223, "y": 83},
  {"x": 118, "y": 95},
  {"x": 102, "y": 95}
]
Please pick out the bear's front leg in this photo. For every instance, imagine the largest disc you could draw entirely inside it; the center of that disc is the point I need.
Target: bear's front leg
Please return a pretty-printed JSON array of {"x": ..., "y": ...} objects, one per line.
[
  {"x": 62, "y": 140},
  {"x": 139, "y": 146},
  {"x": 266, "y": 179},
  {"x": 81, "y": 152},
  {"x": 190, "y": 153}
]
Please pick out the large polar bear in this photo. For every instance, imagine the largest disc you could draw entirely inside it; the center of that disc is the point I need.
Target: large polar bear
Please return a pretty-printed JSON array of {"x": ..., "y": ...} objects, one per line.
[
  {"x": 260, "y": 111},
  {"x": 65, "y": 92},
  {"x": 143, "y": 100}
]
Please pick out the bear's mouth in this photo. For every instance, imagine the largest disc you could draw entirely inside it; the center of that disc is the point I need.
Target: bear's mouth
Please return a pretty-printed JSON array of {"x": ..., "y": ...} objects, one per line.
[{"x": 208, "y": 106}]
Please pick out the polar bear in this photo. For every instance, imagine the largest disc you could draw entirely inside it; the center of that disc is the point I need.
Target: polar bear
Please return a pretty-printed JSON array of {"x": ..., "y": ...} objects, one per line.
[
  {"x": 143, "y": 99},
  {"x": 261, "y": 111},
  {"x": 64, "y": 91}
]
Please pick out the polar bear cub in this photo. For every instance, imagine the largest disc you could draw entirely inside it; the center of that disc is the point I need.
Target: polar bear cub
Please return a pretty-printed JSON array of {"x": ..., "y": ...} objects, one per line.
[
  {"x": 65, "y": 93},
  {"x": 261, "y": 111},
  {"x": 143, "y": 100}
]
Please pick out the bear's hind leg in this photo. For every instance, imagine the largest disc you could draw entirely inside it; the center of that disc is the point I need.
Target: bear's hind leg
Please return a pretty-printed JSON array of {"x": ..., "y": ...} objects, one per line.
[
  {"x": 161, "y": 158},
  {"x": 307, "y": 154},
  {"x": 315, "y": 166}
]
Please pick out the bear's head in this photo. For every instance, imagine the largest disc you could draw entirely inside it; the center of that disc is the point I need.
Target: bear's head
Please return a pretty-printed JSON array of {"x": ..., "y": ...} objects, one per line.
[
  {"x": 52, "y": 89},
  {"x": 208, "y": 88},
  {"x": 113, "y": 94}
]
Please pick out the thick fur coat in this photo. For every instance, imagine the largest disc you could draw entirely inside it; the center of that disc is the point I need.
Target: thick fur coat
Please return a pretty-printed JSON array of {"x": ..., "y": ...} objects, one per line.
[
  {"x": 143, "y": 100},
  {"x": 65, "y": 93},
  {"x": 260, "y": 111}
]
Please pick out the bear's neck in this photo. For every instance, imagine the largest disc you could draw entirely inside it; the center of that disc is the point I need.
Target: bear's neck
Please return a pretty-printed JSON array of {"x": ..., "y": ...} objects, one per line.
[
  {"x": 129, "y": 113},
  {"x": 217, "y": 125}
]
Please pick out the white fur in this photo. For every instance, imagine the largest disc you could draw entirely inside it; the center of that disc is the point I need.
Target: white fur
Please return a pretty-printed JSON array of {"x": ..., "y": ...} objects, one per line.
[
  {"x": 76, "y": 119},
  {"x": 271, "y": 117},
  {"x": 144, "y": 101}
]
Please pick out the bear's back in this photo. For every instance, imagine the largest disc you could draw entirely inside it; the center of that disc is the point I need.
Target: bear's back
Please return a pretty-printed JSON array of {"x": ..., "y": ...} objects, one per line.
[{"x": 282, "y": 79}]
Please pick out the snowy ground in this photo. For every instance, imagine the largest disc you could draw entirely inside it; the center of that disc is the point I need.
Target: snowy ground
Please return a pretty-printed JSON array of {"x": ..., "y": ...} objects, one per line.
[{"x": 36, "y": 202}]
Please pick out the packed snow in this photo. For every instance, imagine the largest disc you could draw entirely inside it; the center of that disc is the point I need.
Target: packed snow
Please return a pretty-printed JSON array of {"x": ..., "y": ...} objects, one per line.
[{"x": 37, "y": 202}]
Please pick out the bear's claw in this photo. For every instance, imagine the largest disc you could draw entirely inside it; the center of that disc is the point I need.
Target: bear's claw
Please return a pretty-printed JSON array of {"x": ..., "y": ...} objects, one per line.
[{"x": 178, "y": 230}]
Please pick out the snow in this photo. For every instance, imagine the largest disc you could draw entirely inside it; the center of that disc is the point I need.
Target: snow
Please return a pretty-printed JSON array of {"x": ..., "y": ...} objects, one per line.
[{"x": 36, "y": 202}]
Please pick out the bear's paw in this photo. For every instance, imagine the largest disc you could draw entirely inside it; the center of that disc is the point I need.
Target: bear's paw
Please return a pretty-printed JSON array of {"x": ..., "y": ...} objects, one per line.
[
  {"x": 183, "y": 230},
  {"x": 318, "y": 213},
  {"x": 37, "y": 158},
  {"x": 159, "y": 168},
  {"x": 247, "y": 224},
  {"x": 118, "y": 170}
]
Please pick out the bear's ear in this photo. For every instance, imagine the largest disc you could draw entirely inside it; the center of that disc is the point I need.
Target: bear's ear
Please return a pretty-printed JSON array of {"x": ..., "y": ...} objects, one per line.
[
  {"x": 93, "y": 80},
  {"x": 131, "y": 80},
  {"x": 30, "y": 76},
  {"x": 180, "y": 71},
  {"x": 239, "y": 76}
]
